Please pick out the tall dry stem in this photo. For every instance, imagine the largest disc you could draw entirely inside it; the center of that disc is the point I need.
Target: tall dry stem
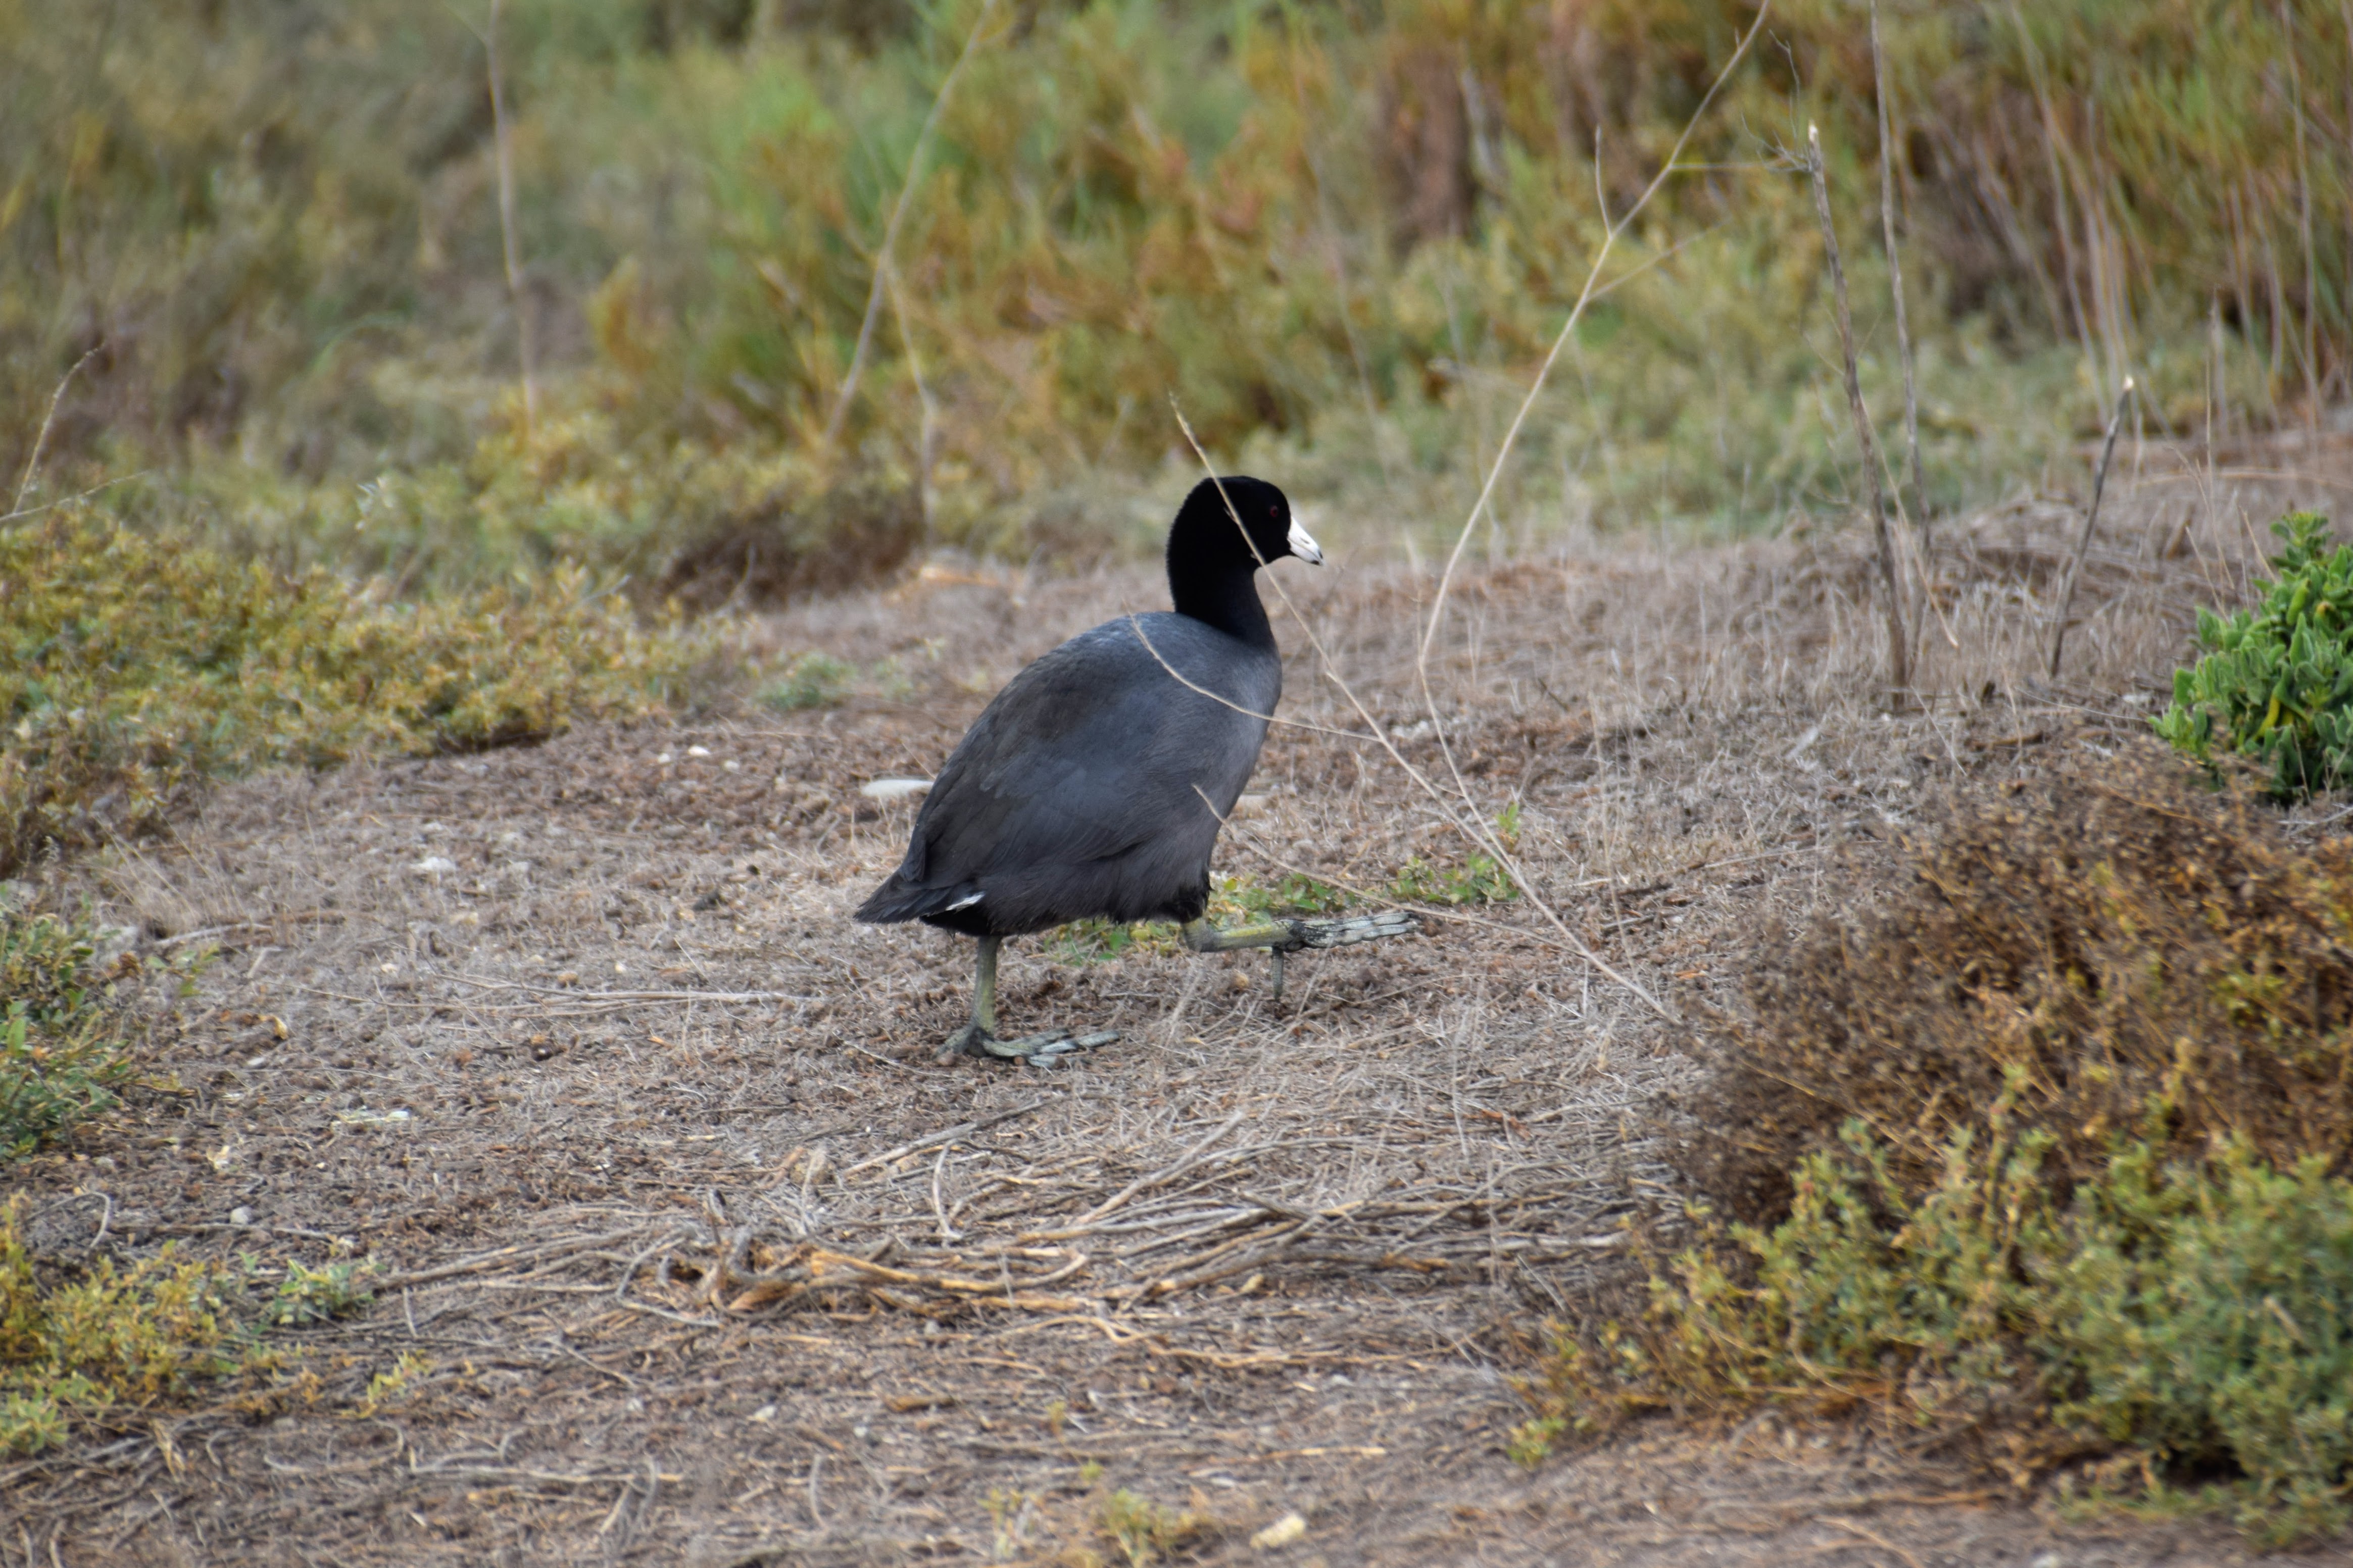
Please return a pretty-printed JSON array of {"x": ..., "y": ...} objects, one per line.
[
  {"x": 1899, "y": 646},
  {"x": 1459, "y": 810},
  {"x": 503, "y": 142},
  {"x": 1895, "y": 286},
  {"x": 42, "y": 441},
  {"x": 2091, "y": 517},
  {"x": 2304, "y": 226}
]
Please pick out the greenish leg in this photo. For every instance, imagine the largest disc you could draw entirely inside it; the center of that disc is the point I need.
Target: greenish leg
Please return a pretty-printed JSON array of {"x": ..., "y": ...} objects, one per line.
[
  {"x": 1203, "y": 936},
  {"x": 984, "y": 984}
]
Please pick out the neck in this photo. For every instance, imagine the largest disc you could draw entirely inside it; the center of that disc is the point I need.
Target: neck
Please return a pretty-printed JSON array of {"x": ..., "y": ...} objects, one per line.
[{"x": 1212, "y": 585}]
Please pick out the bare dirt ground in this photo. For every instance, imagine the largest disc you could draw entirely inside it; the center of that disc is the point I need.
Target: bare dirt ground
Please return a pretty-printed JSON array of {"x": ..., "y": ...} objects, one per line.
[{"x": 693, "y": 1254}]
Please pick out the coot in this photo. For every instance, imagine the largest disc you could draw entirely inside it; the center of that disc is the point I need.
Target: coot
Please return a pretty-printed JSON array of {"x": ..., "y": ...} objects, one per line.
[{"x": 1096, "y": 781}]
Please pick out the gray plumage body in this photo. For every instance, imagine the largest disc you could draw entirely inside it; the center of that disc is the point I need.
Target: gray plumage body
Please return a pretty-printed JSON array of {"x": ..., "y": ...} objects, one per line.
[{"x": 1093, "y": 785}]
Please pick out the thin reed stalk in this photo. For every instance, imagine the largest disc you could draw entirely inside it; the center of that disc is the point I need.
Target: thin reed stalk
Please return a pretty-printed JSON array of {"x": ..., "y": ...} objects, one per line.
[
  {"x": 928, "y": 437},
  {"x": 1458, "y": 809},
  {"x": 2304, "y": 227},
  {"x": 1895, "y": 287},
  {"x": 2091, "y": 517},
  {"x": 891, "y": 231},
  {"x": 42, "y": 441},
  {"x": 1899, "y": 645},
  {"x": 1458, "y": 806}
]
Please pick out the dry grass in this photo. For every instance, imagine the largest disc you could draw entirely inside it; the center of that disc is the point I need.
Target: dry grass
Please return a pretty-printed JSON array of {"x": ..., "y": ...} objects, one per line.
[{"x": 694, "y": 1256}]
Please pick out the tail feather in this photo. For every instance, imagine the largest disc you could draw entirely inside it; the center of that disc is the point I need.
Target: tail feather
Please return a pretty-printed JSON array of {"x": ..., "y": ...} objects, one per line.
[{"x": 897, "y": 900}]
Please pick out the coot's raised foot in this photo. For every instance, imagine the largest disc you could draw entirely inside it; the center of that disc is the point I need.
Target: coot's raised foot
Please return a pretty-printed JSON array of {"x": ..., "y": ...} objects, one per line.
[
  {"x": 1355, "y": 929},
  {"x": 1282, "y": 934},
  {"x": 1285, "y": 934},
  {"x": 1042, "y": 1050}
]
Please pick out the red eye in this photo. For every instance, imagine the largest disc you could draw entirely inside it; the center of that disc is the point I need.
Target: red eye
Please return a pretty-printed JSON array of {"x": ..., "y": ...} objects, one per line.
[{"x": 1272, "y": 512}]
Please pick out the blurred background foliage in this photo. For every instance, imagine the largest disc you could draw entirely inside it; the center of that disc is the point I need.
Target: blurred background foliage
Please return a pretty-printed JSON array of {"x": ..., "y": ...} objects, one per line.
[{"x": 1338, "y": 232}]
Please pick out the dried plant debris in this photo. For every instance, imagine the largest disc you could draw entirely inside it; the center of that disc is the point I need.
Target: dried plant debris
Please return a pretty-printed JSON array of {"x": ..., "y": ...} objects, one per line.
[{"x": 2121, "y": 949}]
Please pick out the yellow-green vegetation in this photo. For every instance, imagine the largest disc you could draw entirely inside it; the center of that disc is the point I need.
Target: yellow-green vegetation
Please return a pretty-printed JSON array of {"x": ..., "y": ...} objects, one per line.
[
  {"x": 2276, "y": 682},
  {"x": 113, "y": 1337},
  {"x": 1096, "y": 940},
  {"x": 809, "y": 680},
  {"x": 1340, "y": 234},
  {"x": 1143, "y": 1529},
  {"x": 1232, "y": 901},
  {"x": 1478, "y": 879},
  {"x": 63, "y": 1046},
  {"x": 2065, "y": 1171},
  {"x": 132, "y": 668},
  {"x": 1292, "y": 894}
]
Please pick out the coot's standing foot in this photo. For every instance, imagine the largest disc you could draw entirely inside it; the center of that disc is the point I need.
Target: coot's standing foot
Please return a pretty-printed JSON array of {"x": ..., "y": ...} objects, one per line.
[
  {"x": 1042, "y": 1050},
  {"x": 979, "y": 1038}
]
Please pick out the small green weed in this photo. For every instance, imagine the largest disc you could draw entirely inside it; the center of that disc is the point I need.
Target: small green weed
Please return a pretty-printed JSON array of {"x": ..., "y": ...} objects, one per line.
[
  {"x": 1095, "y": 940},
  {"x": 1142, "y": 1528},
  {"x": 2276, "y": 682},
  {"x": 1011, "y": 1514},
  {"x": 397, "y": 1383},
  {"x": 1294, "y": 895},
  {"x": 1477, "y": 881},
  {"x": 811, "y": 680},
  {"x": 310, "y": 1295}
]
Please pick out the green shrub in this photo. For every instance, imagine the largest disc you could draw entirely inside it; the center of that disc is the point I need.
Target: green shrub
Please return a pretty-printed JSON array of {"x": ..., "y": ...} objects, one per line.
[
  {"x": 133, "y": 668},
  {"x": 2276, "y": 682},
  {"x": 62, "y": 1049},
  {"x": 2198, "y": 1315}
]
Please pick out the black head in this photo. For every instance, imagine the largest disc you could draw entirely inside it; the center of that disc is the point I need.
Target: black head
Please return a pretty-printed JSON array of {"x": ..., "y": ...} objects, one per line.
[
  {"x": 1211, "y": 525},
  {"x": 1225, "y": 530}
]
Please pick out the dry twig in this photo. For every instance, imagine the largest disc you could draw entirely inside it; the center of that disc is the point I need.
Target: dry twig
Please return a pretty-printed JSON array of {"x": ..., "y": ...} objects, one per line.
[
  {"x": 1899, "y": 645},
  {"x": 2090, "y": 516}
]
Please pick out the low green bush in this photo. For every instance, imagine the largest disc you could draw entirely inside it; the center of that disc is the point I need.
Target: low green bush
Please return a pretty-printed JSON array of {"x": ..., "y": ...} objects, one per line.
[
  {"x": 62, "y": 1047},
  {"x": 2276, "y": 682},
  {"x": 2197, "y": 1316},
  {"x": 134, "y": 668},
  {"x": 82, "y": 1346},
  {"x": 809, "y": 680},
  {"x": 114, "y": 1337}
]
